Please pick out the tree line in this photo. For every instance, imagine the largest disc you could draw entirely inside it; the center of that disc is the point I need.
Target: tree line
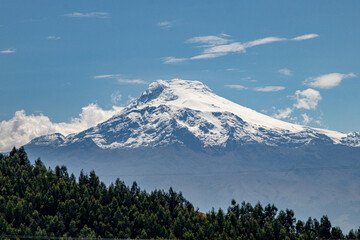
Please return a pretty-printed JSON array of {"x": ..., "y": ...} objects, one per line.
[{"x": 39, "y": 201}]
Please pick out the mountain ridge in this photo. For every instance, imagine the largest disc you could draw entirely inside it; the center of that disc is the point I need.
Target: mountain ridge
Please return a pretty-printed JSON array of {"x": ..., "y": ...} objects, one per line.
[{"x": 191, "y": 109}]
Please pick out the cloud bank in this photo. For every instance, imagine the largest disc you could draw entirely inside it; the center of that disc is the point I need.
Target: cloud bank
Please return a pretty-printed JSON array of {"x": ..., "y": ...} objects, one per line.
[{"x": 21, "y": 128}]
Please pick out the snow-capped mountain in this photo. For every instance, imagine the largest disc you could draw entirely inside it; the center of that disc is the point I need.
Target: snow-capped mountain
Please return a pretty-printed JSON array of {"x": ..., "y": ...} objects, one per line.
[
  {"x": 189, "y": 113},
  {"x": 179, "y": 133}
]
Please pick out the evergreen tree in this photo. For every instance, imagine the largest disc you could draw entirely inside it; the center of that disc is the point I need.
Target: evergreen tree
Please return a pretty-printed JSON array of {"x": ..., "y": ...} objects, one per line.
[{"x": 36, "y": 201}]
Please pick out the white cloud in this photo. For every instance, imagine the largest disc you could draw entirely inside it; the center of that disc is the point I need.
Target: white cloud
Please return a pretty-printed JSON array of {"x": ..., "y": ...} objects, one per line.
[
  {"x": 7, "y": 51},
  {"x": 212, "y": 40},
  {"x": 263, "y": 41},
  {"x": 319, "y": 122},
  {"x": 235, "y": 70},
  {"x": 307, "y": 99},
  {"x": 207, "y": 56},
  {"x": 120, "y": 79},
  {"x": 131, "y": 81},
  {"x": 106, "y": 76},
  {"x": 166, "y": 25},
  {"x": 53, "y": 38},
  {"x": 306, "y": 118},
  {"x": 305, "y": 37},
  {"x": 237, "y": 87},
  {"x": 168, "y": 60},
  {"x": 250, "y": 79},
  {"x": 269, "y": 89},
  {"x": 226, "y": 48},
  {"x": 285, "y": 72},
  {"x": 21, "y": 128},
  {"x": 116, "y": 97},
  {"x": 88, "y": 15},
  {"x": 216, "y": 46},
  {"x": 327, "y": 81},
  {"x": 283, "y": 113}
]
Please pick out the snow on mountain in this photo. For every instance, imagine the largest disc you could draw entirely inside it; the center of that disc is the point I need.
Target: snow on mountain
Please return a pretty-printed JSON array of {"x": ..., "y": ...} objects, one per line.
[
  {"x": 189, "y": 113},
  {"x": 179, "y": 133}
]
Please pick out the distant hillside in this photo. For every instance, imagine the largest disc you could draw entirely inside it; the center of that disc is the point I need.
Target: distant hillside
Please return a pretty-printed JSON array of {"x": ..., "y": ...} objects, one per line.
[{"x": 36, "y": 201}]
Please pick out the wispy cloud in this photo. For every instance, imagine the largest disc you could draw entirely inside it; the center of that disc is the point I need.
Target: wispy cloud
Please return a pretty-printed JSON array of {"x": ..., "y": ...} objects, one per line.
[
  {"x": 249, "y": 79},
  {"x": 166, "y": 25},
  {"x": 305, "y": 37},
  {"x": 116, "y": 97},
  {"x": 306, "y": 118},
  {"x": 221, "y": 45},
  {"x": 269, "y": 89},
  {"x": 237, "y": 87},
  {"x": 88, "y": 15},
  {"x": 327, "y": 81},
  {"x": 234, "y": 70},
  {"x": 307, "y": 99},
  {"x": 120, "y": 79},
  {"x": 131, "y": 81},
  {"x": 8, "y": 51},
  {"x": 211, "y": 40},
  {"x": 106, "y": 76},
  {"x": 263, "y": 41},
  {"x": 285, "y": 72},
  {"x": 53, "y": 38},
  {"x": 173, "y": 60}
]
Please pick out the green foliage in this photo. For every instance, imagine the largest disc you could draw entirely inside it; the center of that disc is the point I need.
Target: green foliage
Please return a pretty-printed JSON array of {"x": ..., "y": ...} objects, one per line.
[{"x": 36, "y": 201}]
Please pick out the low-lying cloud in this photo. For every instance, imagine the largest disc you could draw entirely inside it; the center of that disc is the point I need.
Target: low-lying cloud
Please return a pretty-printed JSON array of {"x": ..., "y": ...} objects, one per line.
[{"x": 22, "y": 128}]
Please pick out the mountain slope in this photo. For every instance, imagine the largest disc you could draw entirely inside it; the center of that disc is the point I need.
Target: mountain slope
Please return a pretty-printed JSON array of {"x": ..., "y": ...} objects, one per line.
[
  {"x": 187, "y": 113},
  {"x": 179, "y": 133}
]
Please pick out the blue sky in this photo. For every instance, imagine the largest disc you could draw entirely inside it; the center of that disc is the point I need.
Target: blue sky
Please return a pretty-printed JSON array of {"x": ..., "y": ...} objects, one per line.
[{"x": 294, "y": 60}]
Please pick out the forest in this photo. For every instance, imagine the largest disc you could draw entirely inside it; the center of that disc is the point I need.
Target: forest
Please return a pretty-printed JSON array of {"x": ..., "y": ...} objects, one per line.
[{"x": 39, "y": 201}]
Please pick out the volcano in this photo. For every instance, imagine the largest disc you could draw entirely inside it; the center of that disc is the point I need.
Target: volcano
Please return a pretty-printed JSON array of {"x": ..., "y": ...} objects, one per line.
[{"x": 179, "y": 133}]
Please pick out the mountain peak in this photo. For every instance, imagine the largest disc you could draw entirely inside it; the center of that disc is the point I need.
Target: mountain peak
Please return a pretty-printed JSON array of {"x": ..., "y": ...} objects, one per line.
[
  {"x": 171, "y": 90},
  {"x": 189, "y": 94}
]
